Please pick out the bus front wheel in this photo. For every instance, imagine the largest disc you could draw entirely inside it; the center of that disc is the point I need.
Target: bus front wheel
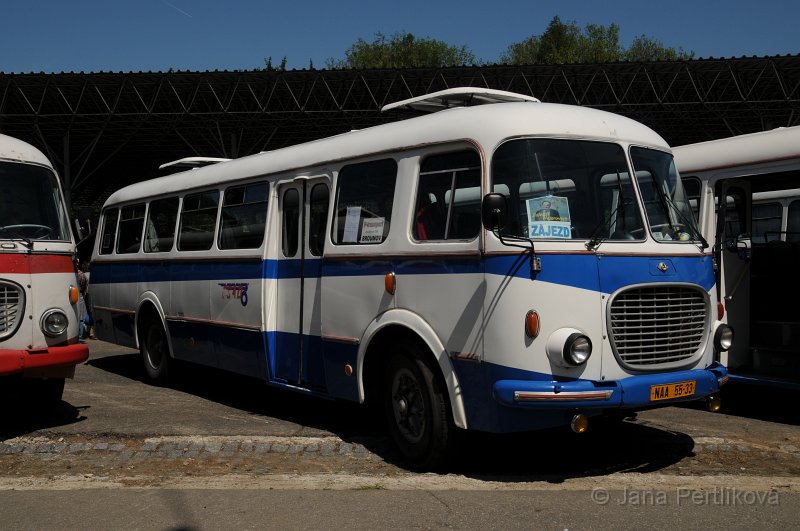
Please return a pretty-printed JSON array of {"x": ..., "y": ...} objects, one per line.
[
  {"x": 155, "y": 352},
  {"x": 415, "y": 404},
  {"x": 44, "y": 394}
]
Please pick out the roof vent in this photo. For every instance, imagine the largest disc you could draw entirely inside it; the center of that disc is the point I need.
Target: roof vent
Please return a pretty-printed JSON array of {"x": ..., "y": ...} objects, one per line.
[
  {"x": 190, "y": 162},
  {"x": 458, "y": 97}
]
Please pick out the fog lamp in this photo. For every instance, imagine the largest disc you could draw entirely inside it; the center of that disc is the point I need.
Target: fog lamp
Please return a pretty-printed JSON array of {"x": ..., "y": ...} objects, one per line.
[
  {"x": 714, "y": 403},
  {"x": 579, "y": 423}
]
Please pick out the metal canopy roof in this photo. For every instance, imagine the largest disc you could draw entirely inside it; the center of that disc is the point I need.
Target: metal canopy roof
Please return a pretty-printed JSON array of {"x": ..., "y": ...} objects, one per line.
[{"x": 105, "y": 130}]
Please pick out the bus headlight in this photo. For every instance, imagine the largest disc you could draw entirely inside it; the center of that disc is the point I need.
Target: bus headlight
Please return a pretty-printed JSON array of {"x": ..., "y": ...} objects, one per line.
[
  {"x": 723, "y": 338},
  {"x": 568, "y": 347},
  {"x": 577, "y": 349},
  {"x": 54, "y": 322}
]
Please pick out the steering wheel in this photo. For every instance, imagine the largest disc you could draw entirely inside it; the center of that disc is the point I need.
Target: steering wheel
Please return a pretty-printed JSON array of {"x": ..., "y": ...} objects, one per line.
[{"x": 38, "y": 232}]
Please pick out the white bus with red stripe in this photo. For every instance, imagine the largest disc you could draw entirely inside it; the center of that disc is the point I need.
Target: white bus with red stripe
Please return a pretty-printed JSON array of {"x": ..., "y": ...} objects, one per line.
[
  {"x": 502, "y": 267},
  {"x": 39, "y": 291}
]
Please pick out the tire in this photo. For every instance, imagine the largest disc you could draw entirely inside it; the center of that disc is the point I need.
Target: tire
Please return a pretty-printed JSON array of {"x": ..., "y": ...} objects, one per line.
[
  {"x": 416, "y": 408},
  {"x": 44, "y": 395},
  {"x": 155, "y": 352}
]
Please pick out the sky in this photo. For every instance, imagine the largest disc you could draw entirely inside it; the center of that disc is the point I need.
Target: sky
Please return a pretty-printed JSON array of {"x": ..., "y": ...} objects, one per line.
[{"x": 159, "y": 35}]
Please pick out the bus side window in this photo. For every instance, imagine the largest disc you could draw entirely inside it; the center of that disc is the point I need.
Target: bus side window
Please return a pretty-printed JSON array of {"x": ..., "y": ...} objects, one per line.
[
  {"x": 160, "y": 228},
  {"x": 291, "y": 222},
  {"x": 244, "y": 215},
  {"x": 692, "y": 187},
  {"x": 198, "y": 221},
  {"x": 793, "y": 222},
  {"x": 109, "y": 231},
  {"x": 364, "y": 198},
  {"x": 448, "y": 197},
  {"x": 131, "y": 222},
  {"x": 320, "y": 197},
  {"x": 766, "y": 222}
]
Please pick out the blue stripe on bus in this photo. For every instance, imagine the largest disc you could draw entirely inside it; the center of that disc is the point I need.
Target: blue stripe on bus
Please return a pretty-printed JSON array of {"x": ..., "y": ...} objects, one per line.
[
  {"x": 164, "y": 271},
  {"x": 585, "y": 271},
  {"x": 606, "y": 273}
]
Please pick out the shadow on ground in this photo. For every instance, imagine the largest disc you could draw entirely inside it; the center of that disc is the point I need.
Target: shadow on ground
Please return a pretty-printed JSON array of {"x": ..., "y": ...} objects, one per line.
[
  {"x": 759, "y": 402},
  {"x": 22, "y": 419},
  {"x": 553, "y": 455}
]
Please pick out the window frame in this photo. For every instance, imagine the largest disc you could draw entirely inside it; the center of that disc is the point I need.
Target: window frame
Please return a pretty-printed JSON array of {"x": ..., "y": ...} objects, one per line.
[
  {"x": 112, "y": 245},
  {"x": 334, "y": 232},
  {"x": 181, "y": 216},
  {"x": 456, "y": 173},
  {"x": 222, "y": 207},
  {"x": 179, "y": 204}
]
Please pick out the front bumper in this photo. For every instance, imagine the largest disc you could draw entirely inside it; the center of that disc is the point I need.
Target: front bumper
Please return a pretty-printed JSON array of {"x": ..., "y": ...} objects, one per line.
[
  {"x": 629, "y": 393},
  {"x": 43, "y": 362}
]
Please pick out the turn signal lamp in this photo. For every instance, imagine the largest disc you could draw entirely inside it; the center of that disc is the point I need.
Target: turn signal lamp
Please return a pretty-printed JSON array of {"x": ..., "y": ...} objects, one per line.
[
  {"x": 532, "y": 324},
  {"x": 720, "y": 311},
  {"x": 390, "y": 283},
  {"x": 73, "y": 295}
]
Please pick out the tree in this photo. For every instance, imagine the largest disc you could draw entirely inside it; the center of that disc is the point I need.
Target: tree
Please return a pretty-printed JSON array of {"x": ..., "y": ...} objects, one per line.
[
  {"x": 402, "y": 50},
  {"x": 272, "y": 68},
  {"x": 646, "y": 49},
  {"x": 566, "y": 42}
]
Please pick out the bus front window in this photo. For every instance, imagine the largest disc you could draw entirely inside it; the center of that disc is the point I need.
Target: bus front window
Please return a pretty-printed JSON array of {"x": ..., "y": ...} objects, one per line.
[
  {"x": 668, "y": 209},
  {"x": 567, "y": 190},
  {"x": 30, "y": 204}
]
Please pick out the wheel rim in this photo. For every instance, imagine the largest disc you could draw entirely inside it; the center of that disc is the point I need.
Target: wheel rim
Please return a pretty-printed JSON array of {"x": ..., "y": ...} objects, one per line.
[
  {"x": 408, "y": 405},
  {"x": 155, "y": 347}
]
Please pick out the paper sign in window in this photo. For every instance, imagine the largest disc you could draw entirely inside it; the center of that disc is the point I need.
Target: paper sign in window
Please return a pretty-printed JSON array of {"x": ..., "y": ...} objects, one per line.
[
  {"x": 372, "y": 230},
  {"x": 548, "y": 218},
  {"x": 351, "y": 224}
]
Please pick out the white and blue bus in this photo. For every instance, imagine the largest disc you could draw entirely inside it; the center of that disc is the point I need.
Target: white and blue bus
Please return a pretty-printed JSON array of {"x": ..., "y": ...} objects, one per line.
[
  {"x": 491, "y": 267},
  {"x": 756, "y": 235}
]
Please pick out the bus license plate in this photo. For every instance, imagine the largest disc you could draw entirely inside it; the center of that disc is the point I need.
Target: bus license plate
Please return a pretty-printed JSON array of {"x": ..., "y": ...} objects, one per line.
[{"x": 676, "y": 390}]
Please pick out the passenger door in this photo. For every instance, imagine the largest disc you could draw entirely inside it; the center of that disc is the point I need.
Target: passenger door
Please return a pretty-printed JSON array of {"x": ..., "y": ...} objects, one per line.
[
  {"x": 304, "y": 212},
  {"x": 733, "y": 248}
]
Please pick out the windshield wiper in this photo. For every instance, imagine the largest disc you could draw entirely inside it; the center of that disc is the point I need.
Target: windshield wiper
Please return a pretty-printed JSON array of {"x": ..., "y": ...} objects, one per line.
[
  {"x": 594, "y": 240},
  {"x": 668, "y": 204},
  {"x": 26, "y": 241}
]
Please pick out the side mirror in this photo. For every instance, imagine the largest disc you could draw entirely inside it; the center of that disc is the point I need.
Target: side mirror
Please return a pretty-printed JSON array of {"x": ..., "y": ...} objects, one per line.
[
  {"x": 741, "y": 245},
  {"x": 494, "y": 211},
  {"x": 79, "y": 229}
]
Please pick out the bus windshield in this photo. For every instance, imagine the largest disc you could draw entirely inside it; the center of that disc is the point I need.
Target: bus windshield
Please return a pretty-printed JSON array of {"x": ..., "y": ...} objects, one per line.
[
  {"x": 567, "y": 189},
  {"x": 668, "y": 210},
  {"x": 30, "y": 204}
]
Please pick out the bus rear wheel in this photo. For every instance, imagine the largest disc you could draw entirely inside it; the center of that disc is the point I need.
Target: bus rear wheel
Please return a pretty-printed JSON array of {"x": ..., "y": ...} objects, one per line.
[
  {"x": 155, "y": 352},
  {"x": 415, "y": 403}
]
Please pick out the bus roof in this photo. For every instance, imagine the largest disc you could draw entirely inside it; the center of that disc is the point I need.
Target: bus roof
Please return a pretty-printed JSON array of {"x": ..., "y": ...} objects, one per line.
[
  {"x": 766, "y": 146},
  {"x": 486, "y": 125},
  {"x": 16, "y": 150}
]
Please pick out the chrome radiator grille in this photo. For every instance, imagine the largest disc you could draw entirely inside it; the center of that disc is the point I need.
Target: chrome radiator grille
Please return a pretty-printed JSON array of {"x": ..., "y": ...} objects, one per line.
[
  {"x": 656, "y": 326},
  {"x": 12, "y": 306}
]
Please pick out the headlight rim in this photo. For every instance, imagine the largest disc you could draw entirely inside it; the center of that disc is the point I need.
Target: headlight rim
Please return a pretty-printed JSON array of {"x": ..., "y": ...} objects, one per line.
[
  {"x": 43, "y": 322},
  {"x": 721, "y": 329},
  {"x": 568, "y": 351}
]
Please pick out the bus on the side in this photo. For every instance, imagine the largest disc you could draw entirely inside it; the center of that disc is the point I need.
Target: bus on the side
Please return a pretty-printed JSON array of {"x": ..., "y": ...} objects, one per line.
[
  {"x": 39, "y": 291},
  {"x": 500, "y": 265},
  {"x": 756, "y": 235}
]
